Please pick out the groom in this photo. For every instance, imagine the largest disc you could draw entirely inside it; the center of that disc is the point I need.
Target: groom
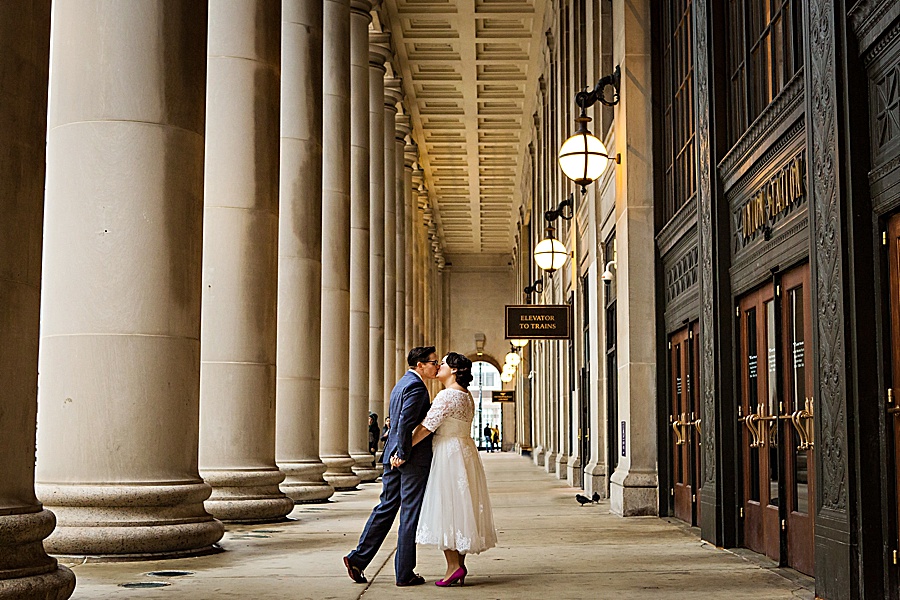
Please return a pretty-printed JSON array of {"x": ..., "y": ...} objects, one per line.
[{"x": 402, "y": 486}]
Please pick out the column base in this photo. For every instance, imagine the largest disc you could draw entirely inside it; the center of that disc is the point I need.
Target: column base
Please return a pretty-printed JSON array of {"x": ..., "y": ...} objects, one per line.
[
  {"x": 595, "y": 480},
  {"x": 57, "y": 584},
  {"x": 538, "y": 456},
  {"x": 130, "y": 521},
  {"x": 550, "y": 462},
  {"x": 562, "y": 461},
  {"x": 574, "y": 474},
  {"x": 339, "y": 472},
  {"x": 247, "y": 496},
  {"x": 365, "y": 467},
  {"x": 634, "y": 494},
  {"x": 303, "y": 482},
  {"x": 25, "y": 569}
]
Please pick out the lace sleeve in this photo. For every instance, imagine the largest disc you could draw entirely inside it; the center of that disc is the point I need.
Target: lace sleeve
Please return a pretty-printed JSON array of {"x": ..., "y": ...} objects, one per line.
[{"x": 439, "y": 411}]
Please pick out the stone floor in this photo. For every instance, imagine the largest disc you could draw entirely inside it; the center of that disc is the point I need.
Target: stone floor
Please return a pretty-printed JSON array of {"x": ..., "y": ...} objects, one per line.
[{"x": 550, "y": 549}]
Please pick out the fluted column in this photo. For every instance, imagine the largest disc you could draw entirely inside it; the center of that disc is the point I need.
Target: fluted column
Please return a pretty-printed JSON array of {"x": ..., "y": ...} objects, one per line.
[
  {"x": 421, "y": 242},
  {"x": 119, "y": 395},
  {"x": 379, "y": 52},
  {"x": 358, "y": 425},
  {"x": 392, "y": 96},
  {"x": 409, "y": 200},
  {"x": 25, "y": 569},
  {"x": 300, "y": 254},
  {"x": 402, "y": 253},
  {"x": 335, "y": 359},
  {"x": 240, "y": 263}
]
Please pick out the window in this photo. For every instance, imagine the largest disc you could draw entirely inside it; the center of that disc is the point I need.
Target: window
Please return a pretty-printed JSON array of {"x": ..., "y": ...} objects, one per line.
[
  {"x": 764, "y": 51},
  {"x": 678, "y": 99}
]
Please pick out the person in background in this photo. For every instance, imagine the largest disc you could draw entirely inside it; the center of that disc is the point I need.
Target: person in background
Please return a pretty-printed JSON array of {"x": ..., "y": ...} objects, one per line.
[
  {"x": 385, "y": 430},
  {"x": 488, "y": 438},
  {"x": 374, "y": 433},
  {"x": 495, "y": 438}
]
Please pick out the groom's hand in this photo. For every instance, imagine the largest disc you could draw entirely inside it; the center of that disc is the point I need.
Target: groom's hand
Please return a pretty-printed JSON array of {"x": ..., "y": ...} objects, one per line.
[{"x": 396, "y": 462}]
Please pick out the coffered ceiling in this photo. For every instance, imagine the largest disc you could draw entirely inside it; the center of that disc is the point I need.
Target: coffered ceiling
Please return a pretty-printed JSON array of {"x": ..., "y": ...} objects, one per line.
[{"x": 470, "y": 70}]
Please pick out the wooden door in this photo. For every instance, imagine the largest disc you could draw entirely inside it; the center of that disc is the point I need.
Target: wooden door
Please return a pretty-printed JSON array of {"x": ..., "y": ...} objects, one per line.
[
  {"x": 681, "y": 407},
  {"x": 796, "y": 419},
  {"x": 893, "y": 400},
  {"x": 758, "y": 412}
]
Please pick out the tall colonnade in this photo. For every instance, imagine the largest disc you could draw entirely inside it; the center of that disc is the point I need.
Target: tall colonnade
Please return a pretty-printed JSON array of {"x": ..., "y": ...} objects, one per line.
[{"x": 218, "y": 284}]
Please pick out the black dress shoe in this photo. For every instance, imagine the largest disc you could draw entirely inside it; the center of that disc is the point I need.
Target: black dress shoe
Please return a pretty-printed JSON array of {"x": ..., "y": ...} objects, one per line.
[
  {"x": 416, "y": 580},
  {"x": 354, "y": 572}
]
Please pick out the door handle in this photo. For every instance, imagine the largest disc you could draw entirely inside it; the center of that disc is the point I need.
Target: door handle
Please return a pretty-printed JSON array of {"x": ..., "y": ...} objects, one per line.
[{"x": 802, "y": 420}]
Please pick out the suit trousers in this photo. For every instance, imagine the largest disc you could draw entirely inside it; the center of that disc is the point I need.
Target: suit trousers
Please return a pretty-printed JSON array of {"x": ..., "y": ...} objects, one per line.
[{"x": 402, "y": 488}]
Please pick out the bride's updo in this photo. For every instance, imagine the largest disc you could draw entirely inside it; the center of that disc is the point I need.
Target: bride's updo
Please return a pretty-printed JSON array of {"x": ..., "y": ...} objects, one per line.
[{"x": 463, "y": 368}]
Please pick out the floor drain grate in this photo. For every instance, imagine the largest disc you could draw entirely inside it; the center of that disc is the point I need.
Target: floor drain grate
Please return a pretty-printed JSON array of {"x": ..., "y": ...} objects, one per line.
[
  {"x": 169, "y": 573},
  {"x": 144, "y": 584},
  {"x": 266, "y": 531},
  {"x": 244, "y": 536}
]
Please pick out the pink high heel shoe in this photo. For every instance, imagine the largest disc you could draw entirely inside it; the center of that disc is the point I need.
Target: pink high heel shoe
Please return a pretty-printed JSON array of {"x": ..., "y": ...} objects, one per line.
[{"x": 459, "y": 575}]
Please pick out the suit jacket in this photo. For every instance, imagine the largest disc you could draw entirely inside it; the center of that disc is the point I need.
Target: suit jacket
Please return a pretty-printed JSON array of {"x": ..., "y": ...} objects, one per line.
[{"x": 408, "y": 407}]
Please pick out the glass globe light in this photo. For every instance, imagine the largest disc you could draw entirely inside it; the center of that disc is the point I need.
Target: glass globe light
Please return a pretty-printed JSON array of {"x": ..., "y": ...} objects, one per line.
[
  {"x": 508, "y": 368},
  {"x": 519, "y": 343},
  {"x": 506, "y": 377},
  {"x": 550, "y": 254},
  {"x": 513, "y": 359},
  {"x": 583, "y": 158}
]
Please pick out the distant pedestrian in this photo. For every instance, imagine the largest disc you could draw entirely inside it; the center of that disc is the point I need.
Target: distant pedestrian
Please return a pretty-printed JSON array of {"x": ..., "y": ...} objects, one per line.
[
  {"x": 488, "y": 438},
  {"x": 374, "y": 433},
  {"x": 495, "y": 438},
  {"x": 385, "y": 430}
]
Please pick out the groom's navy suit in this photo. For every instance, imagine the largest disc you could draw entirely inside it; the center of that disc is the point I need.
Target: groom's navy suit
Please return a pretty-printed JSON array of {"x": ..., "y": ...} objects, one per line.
[{"x": 402, "y": 487}]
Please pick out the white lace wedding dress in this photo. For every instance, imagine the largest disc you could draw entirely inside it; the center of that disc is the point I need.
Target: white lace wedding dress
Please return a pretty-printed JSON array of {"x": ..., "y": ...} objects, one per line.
[{"x": 456, "y": 510}]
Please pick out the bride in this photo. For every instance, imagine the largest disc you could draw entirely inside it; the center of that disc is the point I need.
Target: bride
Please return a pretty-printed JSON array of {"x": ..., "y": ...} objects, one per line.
[{"x": 456, "y": 510}]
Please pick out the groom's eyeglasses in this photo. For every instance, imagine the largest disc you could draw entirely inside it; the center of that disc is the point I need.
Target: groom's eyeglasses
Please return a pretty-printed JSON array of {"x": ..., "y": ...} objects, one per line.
[{"x": 432, "y": 362}]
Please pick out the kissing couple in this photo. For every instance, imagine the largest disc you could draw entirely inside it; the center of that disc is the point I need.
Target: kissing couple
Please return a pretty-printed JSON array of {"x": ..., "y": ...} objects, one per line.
[{"x": 436, "y": 482}]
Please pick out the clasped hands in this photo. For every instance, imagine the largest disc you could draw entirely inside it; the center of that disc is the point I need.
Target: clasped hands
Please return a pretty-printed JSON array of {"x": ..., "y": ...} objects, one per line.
[{"x": 396, "y": 461}]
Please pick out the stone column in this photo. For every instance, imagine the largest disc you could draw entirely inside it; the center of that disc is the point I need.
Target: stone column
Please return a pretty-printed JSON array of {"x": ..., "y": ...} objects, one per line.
[
  {"x": 334, "y": 361},
  {"x": 300, "y": 254},
  {"x": 240, "y": 264},
  {"x": 634, "y": 485},
  {"x": 119, "y": 395},
  {"x": 392, "y": 96},
  {"x": 358, "y": 425},
  {"x": 402, "y": 255},
  {"x": 409, "y": 195},
  {"x": 416, "y": 183},
  {"x": 25, "y": 569},
  {"x": 379, "y": 52}
]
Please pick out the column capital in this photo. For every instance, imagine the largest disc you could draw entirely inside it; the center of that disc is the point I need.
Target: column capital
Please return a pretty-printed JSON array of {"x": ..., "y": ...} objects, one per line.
[
  {"x": 418, "y": 179},
  {"x": 403, "y": 127},
  {"x": 379, "y": 49},
  {"x": 362, "y": 7},
  {"x": 410, "y": 154},
  {"x": 393, "y": 92}
]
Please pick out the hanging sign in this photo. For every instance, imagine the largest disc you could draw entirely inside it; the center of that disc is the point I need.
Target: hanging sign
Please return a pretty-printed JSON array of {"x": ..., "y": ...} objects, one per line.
[
  {"x": 504, "y": 396},
  {"x": 538, "y": 322}
]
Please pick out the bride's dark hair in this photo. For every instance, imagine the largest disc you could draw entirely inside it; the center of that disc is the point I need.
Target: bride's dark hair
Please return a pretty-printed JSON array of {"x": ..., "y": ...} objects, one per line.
[{"x": 463, "y": 368}]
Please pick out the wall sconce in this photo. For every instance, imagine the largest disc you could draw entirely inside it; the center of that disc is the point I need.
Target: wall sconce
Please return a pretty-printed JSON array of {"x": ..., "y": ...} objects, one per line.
[
  {"x": 480, "y": 339},
  {"x": 550, "y": 254},
  {"x": 583, "y": 157},
  {"x": 537, "y": 286},
  {"x": 607, "y": 274}
]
